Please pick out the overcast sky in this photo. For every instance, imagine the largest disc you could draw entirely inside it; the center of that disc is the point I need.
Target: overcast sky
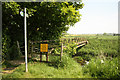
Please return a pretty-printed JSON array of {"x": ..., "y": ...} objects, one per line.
[{"x": 98, "y": 16}]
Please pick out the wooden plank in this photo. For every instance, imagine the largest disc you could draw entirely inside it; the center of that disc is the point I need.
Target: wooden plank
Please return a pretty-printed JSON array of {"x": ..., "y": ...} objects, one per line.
[
  {"x": 51, "y": 50},
  {"x": 54, "y": 46}
]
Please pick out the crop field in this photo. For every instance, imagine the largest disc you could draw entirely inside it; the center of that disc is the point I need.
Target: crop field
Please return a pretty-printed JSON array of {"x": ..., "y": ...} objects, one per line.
[{"x": 97, "y": 59}]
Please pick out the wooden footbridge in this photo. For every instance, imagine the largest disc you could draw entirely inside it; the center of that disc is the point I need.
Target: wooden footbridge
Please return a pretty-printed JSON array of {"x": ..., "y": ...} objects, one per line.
[
  {"x": 46, "y": 47},
  {"x": 81, "y": 44}
]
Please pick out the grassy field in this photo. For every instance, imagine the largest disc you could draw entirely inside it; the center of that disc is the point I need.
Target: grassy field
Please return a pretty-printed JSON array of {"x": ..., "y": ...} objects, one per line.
[{"x": 101, "y": 53}]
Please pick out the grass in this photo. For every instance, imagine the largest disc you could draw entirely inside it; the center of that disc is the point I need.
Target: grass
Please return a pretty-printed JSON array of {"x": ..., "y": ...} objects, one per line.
[
  {"x": 44, "y": 70},
  {"x": 106, "y": 45},
  {"x": 91, "y": 36},
  {"x": 99, "y": 48}
]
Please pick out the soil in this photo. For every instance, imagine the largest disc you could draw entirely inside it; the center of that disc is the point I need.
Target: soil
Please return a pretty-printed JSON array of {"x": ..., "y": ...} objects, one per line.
[{"x": 15, "y": 63}]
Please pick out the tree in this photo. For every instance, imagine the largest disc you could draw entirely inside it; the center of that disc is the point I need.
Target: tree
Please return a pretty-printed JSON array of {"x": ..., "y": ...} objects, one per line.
[
  {"x": 105, "y": 34},
  {"x": 47, "y": 20}
]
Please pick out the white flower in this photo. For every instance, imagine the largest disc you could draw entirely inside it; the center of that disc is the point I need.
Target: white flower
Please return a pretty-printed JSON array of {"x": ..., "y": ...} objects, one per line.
[
  {"x": 102, "y": 61},
  {"x": 87, "y": 62}
]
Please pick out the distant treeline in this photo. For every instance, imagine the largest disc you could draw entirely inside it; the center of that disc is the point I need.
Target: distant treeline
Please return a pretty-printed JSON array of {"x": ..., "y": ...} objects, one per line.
[
  {"x": 116, "y": 34},
  {"x": 108, "y": 34}
]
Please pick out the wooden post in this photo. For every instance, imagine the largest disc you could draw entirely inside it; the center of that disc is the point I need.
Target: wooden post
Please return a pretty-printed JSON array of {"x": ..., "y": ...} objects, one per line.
[
  {"x": 40, "y": 56},
  {"x": 61, "y": 52},
  {"x": 47, "y": 56}
]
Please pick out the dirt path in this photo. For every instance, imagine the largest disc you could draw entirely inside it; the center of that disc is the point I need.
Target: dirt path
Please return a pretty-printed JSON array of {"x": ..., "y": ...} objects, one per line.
[
  {"x": 8, "y": 70},
  {"x": 15, "y": 63}
]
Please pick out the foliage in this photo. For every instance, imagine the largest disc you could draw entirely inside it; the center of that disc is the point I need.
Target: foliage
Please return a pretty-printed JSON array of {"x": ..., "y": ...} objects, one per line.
[
  {"x": 13, "y": 52},
  {"x": 61, "y": 16},
  {"x": 8, "y": 51},
  {"x": 5, "y": 45},
  {"x": 41, "y": 25},
  {"x": 103, "y": 48},
  {"x": 107, "y": 69},
  {"x": 106, "y": 45},
  {"x": 100, "y": 65},
  {"x": 105, "y": 34},
  {"x": 66, "y": 62},
  {"x": 70, "y": 49},
  {"x": 42, "y": 70},
  {"x": 83, "y": 57}
]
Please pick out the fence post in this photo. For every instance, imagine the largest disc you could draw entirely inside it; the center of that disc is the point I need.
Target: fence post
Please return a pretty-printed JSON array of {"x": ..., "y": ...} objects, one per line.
[
  {"x": 47, "y": 56},
  {"x": 40, "y": 56},
  {"x": 61, "y": 52}
]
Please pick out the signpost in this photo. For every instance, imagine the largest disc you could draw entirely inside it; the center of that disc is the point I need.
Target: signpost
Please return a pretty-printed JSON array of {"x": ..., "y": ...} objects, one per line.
[
  {"x": 24, "y": 14},
  {"x": 25, "y": 21},
  {"x": 44, "y": 49}
]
